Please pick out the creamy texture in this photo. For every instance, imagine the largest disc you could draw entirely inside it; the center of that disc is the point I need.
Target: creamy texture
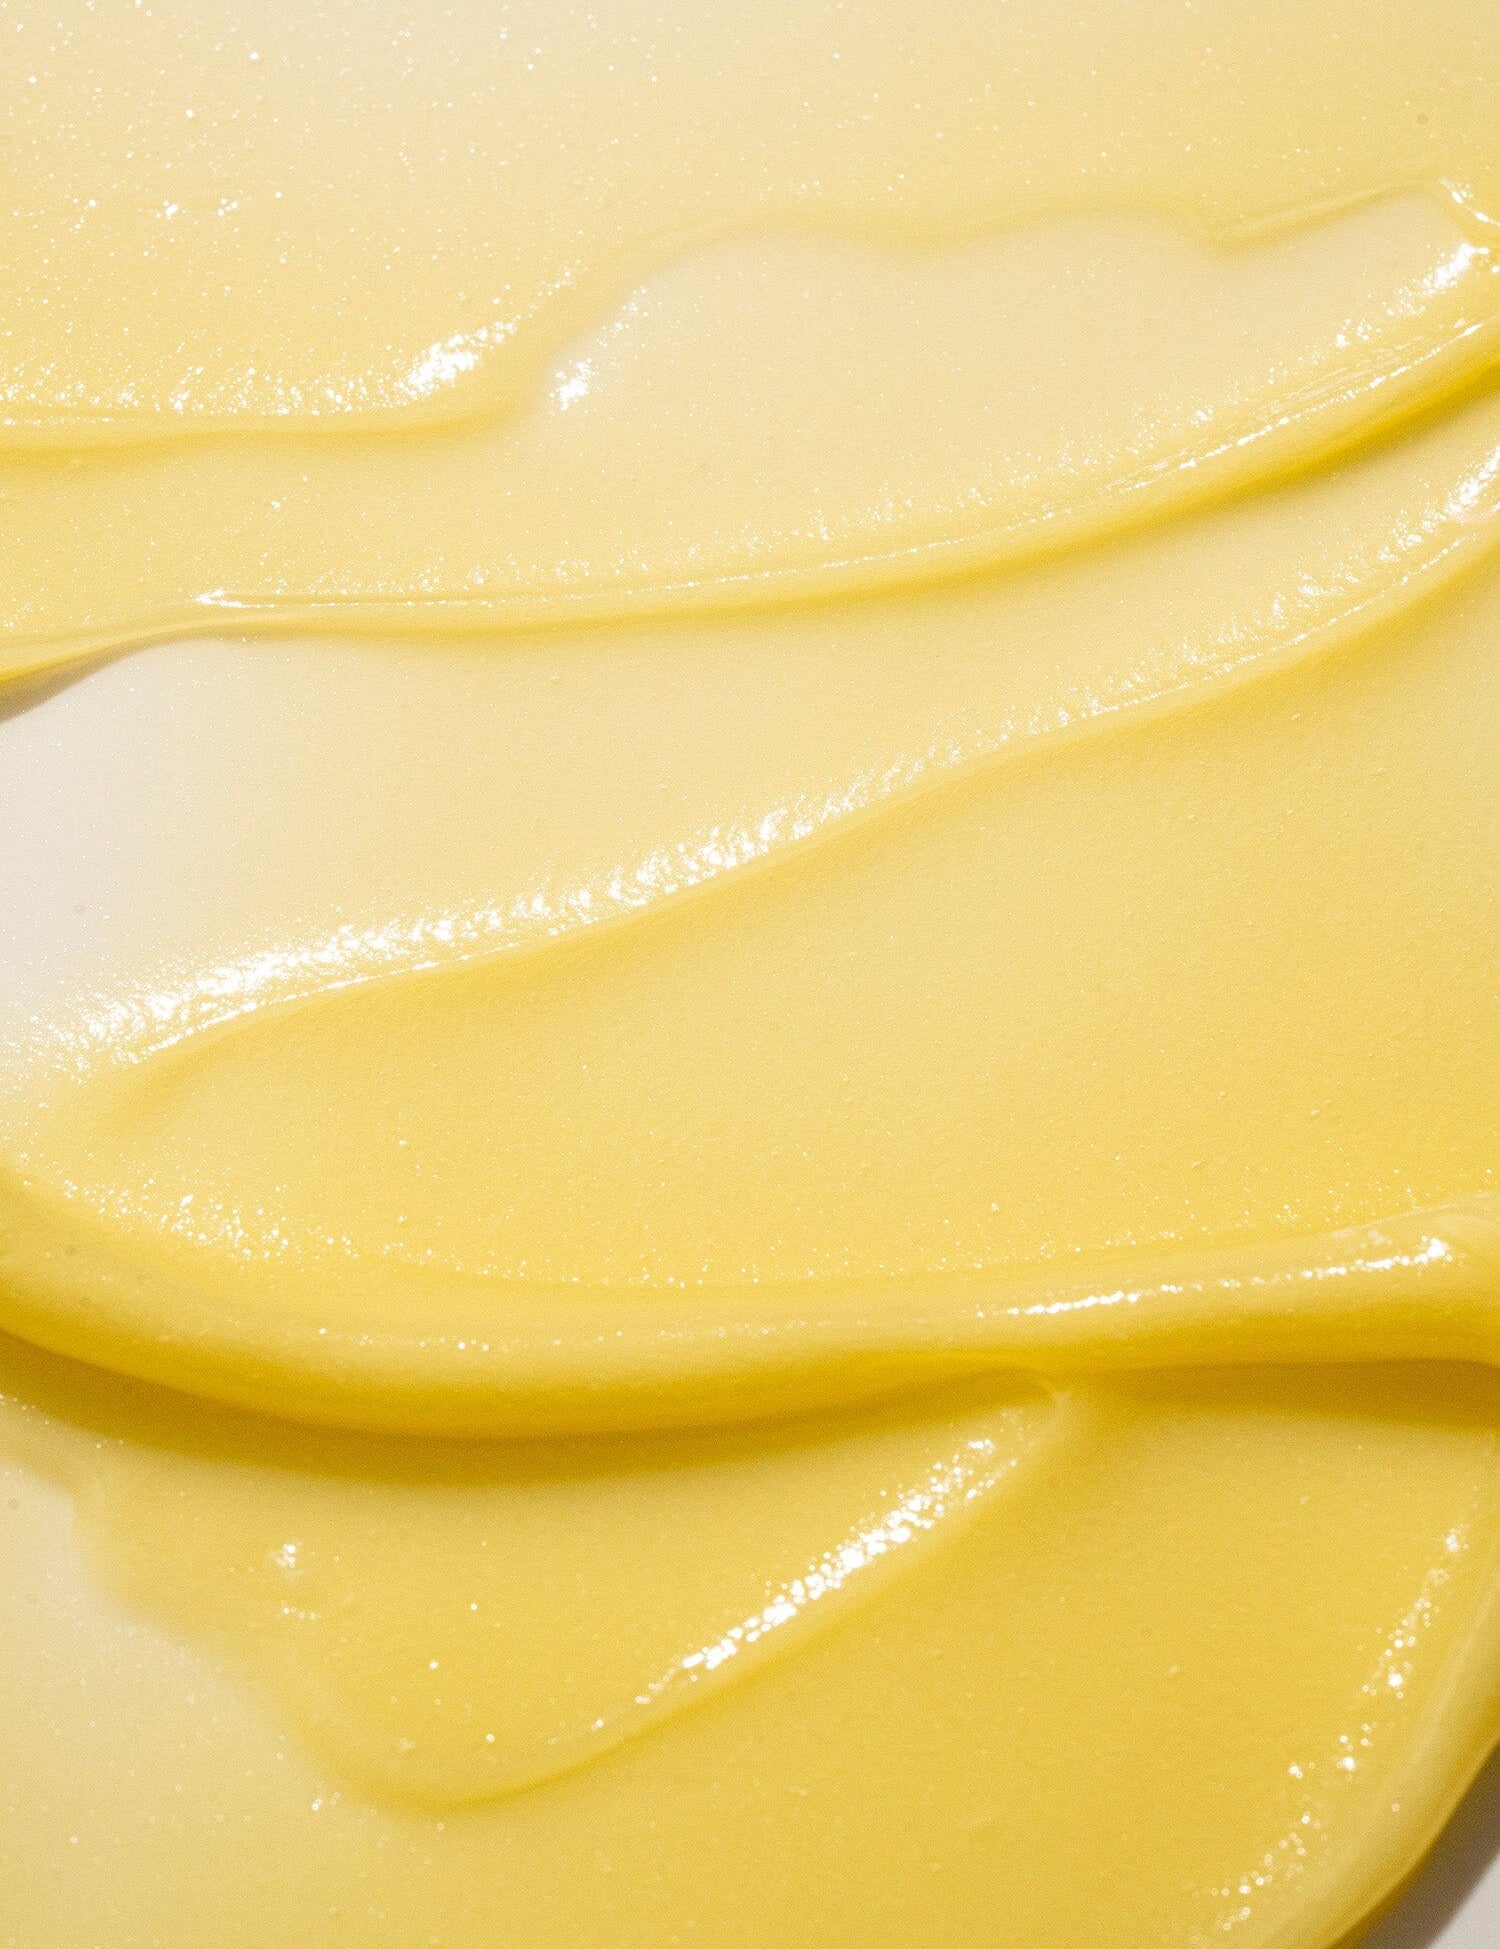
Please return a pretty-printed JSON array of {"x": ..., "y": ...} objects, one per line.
[
  {"x": 225, "y": 216},
  {"x": 873, "y": 821},
  {"x": 974, "y": 422},
  {"x": 1046, "y": 1716}
]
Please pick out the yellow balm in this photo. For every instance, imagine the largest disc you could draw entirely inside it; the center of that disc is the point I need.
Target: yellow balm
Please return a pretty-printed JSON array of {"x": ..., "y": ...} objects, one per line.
[{"x": 748, "y": 1137}]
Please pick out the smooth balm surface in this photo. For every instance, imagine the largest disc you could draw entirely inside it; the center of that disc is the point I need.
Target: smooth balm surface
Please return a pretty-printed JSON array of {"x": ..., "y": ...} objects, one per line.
[{"x": 747, "y": 1141}]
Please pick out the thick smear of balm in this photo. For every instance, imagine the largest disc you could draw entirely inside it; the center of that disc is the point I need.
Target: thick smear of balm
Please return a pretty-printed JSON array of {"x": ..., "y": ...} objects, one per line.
[
  {"x": 780, "y": 418},
  {"x": 633, "y": 1162}
]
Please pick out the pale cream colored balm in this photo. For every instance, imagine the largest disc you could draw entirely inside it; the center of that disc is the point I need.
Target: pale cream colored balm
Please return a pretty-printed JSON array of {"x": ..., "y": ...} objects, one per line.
[{"x": 749, "y": 1070}]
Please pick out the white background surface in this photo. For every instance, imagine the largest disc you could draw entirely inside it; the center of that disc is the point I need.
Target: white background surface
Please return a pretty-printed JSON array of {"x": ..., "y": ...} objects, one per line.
[{"x": 1454, "y": 1903}]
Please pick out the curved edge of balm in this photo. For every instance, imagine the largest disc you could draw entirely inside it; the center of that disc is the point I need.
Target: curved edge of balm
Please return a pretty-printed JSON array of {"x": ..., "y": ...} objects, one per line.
[
  {"x": 442, "y": 1354},
  {"x": 1362, "y": 1883},
  {"x": 103, "y": 560}
]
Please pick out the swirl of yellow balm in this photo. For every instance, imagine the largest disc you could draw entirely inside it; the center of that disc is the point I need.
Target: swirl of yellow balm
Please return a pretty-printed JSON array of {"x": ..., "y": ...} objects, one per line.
[{"x": 755, "y": 1201}]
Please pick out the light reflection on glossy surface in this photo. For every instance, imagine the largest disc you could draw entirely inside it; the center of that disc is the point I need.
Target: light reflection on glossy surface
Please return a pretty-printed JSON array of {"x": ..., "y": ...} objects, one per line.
[
  {"x": 954, "y": 680},
  {"x": 1061, "y": 1684},
  {"x": 488, "y": 183},
  {"x": 472, "y": 1204},
  {"x": 758, "y": 387}
]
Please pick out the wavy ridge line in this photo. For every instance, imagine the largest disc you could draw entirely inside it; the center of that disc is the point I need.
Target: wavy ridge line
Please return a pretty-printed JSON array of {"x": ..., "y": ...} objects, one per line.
[
  {"x": 481, "y": 373},
  {"x": 441, "y": 1354},
  {"x": 1462, "y": 531},
  {"x": 1320, "y": 415}
]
